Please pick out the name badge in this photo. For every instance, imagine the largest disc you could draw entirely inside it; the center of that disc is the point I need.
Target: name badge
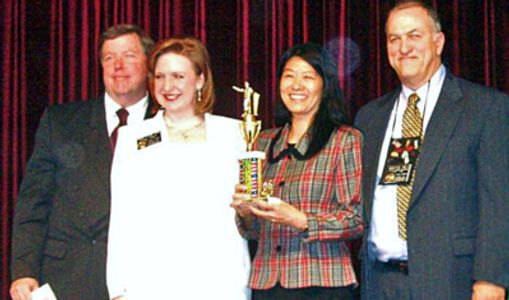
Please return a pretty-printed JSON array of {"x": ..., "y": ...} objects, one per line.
[
  {"x": 401, "y": 161},
  {"x": 148, "y": 140}
]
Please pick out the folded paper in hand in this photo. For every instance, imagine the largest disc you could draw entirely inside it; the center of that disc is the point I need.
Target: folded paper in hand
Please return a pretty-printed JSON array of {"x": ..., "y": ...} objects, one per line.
[{"x": 44, "y": 293}]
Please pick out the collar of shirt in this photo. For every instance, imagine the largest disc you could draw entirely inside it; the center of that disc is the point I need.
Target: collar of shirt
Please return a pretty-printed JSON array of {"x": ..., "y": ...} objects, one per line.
[
  {"x": 280, "y": 144},
  {"x": 428, "y": 93},
  {"x": 136, "y": 111},
  {"x": 384, "y": 240}
]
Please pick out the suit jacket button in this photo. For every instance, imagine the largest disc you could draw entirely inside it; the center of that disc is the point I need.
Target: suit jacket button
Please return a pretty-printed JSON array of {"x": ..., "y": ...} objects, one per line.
[
  {"x": 94, "y": 242},
  {"x": 278, "y": 248}
]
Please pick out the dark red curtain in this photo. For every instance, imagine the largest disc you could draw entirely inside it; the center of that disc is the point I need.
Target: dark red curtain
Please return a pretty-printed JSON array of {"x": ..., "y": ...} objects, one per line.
[{"x": 49, "y": 55}]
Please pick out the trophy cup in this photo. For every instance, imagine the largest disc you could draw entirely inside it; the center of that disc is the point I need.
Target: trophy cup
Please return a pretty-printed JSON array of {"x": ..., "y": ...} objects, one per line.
[{"x": 251, "y": 161}]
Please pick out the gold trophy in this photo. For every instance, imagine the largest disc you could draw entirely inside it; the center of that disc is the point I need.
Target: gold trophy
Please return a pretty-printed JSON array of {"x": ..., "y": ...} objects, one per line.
[{"x": 251, "y": 161}]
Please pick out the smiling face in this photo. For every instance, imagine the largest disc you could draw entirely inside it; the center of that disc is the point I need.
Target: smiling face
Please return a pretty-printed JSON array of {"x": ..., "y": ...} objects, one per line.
[
  {"x": 175, "y": 85},
  {"x": 124, "y": 69},
  {"x": 414, "y": 45},
  {"x": 301, "y": 88}
]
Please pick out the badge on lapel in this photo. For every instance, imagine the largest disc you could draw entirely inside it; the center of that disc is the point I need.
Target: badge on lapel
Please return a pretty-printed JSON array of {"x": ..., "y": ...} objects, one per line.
[
  {"x": 148, "y": 140},
  {"x": 401, "y": 161}
]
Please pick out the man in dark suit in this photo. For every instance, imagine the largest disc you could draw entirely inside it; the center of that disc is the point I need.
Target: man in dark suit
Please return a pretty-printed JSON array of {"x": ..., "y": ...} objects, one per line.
[
  {"x": 61, "y": 221},
  {"x": 436, "y": 171}
]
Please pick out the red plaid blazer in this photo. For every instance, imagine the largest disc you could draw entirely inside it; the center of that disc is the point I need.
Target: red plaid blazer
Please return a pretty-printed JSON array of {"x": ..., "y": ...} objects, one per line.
[{"x": 327, "y": 188}]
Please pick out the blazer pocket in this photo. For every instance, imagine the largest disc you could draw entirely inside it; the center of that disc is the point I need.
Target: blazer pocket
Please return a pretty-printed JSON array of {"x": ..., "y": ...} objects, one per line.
[
  {"x": 463, "y": 246},
  {"x": 55, "y": 248}
]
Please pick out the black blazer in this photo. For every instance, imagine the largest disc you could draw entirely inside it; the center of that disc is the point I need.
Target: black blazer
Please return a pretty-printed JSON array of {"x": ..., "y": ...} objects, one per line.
[
  {"x": 61, "y": 222},
  {"x": 458, "y": 219}
]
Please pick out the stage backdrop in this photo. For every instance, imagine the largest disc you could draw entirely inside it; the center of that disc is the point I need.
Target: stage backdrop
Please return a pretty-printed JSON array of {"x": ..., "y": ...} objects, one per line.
[{"x": 49, "y": 55}]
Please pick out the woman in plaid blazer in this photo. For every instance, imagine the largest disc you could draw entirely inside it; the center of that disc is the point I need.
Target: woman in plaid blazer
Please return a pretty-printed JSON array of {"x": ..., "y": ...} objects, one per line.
[{"x": 314, "y": 162}]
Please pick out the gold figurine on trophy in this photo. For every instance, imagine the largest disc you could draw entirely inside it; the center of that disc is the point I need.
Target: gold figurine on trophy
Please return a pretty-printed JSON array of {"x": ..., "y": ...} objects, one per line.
[
  {"x": 251, "y": 161},
  {"x": 250, "y": 125}
]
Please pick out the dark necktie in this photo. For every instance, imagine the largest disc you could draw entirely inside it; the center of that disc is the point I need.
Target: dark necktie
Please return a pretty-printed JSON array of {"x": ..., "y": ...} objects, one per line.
[
  {"x": 412, "y": 127},
  {"x": 122, "y": 116}
]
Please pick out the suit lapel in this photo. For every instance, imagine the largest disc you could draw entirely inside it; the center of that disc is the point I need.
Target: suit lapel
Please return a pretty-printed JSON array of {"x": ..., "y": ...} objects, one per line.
[
  {"x": 99, "y": 127},
  {"x": 438, "y": 133},
  {"x": 100, "y": 142},
  {"x": 374, "y": 140},
  {"x": 98, "y": 122}
]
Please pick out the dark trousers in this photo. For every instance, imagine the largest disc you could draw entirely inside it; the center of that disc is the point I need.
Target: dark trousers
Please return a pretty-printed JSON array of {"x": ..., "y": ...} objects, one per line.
[
  {"x": 389, "y": 282},
  {"x": 311, "y": 293}
]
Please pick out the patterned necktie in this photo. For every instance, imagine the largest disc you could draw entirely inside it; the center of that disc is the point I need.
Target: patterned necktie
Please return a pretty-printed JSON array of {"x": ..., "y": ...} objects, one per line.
[
  {"x": 412, "y": 127},
  {"x": 122, "y": 116}
]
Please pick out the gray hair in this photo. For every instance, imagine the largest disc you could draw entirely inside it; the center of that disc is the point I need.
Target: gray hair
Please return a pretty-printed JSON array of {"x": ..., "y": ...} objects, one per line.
[{"x": 432, "y": 13}]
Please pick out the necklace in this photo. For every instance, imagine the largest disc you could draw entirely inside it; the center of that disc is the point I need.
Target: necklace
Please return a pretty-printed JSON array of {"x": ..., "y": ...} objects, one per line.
[{"x": 193, "y": 133}]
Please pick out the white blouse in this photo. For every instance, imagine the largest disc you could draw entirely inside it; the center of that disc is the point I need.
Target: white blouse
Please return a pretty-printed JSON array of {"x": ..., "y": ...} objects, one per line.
[{"x": 172, "y": 233}]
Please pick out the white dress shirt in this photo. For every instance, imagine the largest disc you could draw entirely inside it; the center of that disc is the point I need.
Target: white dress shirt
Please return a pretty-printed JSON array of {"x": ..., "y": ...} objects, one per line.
[
  {"x": 384, "y": 241},
  {"x": 136, "y": 112}
]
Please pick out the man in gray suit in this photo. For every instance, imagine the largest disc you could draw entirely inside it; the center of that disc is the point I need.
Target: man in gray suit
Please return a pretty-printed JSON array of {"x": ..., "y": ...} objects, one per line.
[
  {"x": 61, "y": 220},
  {"x": 436, "y": 171}
]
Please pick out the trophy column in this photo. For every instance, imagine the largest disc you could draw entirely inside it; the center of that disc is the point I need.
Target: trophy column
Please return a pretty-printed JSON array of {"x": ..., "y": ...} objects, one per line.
[
  {"x": 251, "y": 161},
  {"x": 251, "y": 172}
]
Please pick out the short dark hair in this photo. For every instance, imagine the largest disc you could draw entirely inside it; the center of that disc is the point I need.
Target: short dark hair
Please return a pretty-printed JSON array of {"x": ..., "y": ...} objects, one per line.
[
  {"x": 432, "y": 13},
  {"x": 123, "y": 29},
  {"x": 331, "y": 111}
]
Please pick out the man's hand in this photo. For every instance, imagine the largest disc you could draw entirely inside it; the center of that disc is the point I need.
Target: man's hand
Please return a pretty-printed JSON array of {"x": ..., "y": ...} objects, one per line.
[
  {"x": 483, "y": 290},
  {"x": 21, "y": 288}
]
